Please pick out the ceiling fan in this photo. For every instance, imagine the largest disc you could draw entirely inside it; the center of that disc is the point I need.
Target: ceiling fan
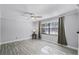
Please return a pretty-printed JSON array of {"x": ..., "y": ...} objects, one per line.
[
  {"x": 32, "y": 15},
  {"x": 28, "y": 14}
]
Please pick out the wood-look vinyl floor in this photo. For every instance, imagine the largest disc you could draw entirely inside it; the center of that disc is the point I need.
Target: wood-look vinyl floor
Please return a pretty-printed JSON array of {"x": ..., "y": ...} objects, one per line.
[{"x": 34, "y": 47}]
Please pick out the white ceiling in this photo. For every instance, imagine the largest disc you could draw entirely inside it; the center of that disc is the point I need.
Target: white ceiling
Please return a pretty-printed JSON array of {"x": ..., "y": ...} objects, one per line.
[{"x": 44, "y": 10}]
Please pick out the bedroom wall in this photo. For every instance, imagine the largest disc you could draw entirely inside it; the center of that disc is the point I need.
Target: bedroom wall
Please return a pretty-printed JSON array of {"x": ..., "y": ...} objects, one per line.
[
  {"x": 15, "y": 29},
  {"x": 0, "y": 30},
  {"x": 14, "y": 26},
  {"x": 78, "y": 34},
  {"x": 71, "y": 28},
  {"x": 78, "y": 18},
  {"x": 0, "y": 26}
]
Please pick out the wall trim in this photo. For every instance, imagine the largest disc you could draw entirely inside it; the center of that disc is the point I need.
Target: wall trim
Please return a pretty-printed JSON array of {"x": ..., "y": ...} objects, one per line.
[
  {"x": 70, "y": 47},
  {"x": 15, "y": 40}
]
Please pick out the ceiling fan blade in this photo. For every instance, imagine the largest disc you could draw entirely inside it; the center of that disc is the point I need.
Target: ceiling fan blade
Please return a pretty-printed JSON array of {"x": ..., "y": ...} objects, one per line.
[
  {"x": 29, "y": 13},
  {"x": 24, "y": 12}
]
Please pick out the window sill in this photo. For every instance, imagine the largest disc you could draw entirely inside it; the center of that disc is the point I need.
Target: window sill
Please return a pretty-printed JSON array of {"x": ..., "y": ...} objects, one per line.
[{"x": 49, "y": 34}]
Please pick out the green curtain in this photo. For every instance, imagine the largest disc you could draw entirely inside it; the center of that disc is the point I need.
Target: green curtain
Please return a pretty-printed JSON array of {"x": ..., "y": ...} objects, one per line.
[
  {"x": 61, "y": 32},
  {"x": 39, "y": 32}
]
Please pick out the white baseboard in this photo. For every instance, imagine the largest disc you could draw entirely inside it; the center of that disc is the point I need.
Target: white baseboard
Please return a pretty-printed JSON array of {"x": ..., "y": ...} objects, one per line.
[
  {"x": 72, "y": 47},
  {"x": 63, "y": 45},
  {"x": 67, "y": 46},
  {"x": 16, "y": 40}
]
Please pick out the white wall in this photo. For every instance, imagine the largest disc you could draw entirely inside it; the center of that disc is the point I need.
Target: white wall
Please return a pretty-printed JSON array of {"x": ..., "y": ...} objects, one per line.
[
  {"x": 14, "y": 26},
  {"x": 78, "y": 20},
  {"x": 78, "y": 34},
  {"x": 0, "y": 26},
  {"x": 16, "y": 29},
  {"x": 0, "y": 30},
  {"x": 0, "y": 33},
  {"x": 71, "y": 28}
]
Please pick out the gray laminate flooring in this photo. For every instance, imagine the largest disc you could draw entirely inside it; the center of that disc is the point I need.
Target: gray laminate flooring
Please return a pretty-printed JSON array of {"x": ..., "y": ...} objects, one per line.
[{"x": 34, "y": 47}]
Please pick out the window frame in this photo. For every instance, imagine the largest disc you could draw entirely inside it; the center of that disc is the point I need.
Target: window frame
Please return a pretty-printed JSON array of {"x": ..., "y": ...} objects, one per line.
[{"x": 49, "y": 27}]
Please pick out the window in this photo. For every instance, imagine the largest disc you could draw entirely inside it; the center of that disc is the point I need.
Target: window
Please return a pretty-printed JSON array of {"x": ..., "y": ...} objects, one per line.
[
  {"x": 45, "y": 28},
  {"x": 50, "y": 28},
  {"x": 54, "y": 28}
]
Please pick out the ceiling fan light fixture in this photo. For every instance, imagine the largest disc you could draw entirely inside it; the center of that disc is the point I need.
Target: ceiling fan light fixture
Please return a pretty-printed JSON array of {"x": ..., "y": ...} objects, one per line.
[
  {"x": 36, "y": 16},
  {"x": 29, "y": 13}
]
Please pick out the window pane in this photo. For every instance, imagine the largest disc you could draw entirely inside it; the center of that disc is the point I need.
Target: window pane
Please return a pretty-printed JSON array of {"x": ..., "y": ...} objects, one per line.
[
  {"x": 50, "y": 28},
  {"x": 54, "y": 28}
]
